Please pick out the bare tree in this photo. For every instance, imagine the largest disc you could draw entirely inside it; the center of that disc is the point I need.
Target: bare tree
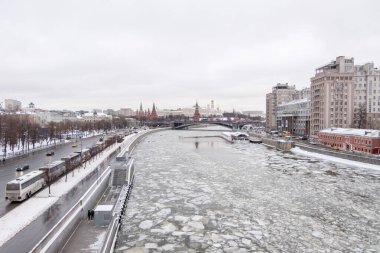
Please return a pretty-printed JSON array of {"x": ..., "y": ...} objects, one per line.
[
  {"x": 360, "y": 116},
  {"x": 34, "y": 134}
]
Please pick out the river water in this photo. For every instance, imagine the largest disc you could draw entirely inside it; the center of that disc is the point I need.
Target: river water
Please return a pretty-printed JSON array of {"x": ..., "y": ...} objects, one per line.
[{"x": 201, "y": 194}]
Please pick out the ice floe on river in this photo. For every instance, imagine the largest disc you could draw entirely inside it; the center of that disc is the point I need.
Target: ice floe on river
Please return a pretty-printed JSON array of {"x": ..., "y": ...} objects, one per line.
[{"x": 246, "y": 198}]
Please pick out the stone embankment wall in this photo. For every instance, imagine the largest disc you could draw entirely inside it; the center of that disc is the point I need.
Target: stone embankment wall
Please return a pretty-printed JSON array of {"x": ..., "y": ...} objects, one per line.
[
  {"x": 354, "y": 157},
  {"x": 59, "y": 234},
  {"x": 278, "y": 144},
  {"x": 256, "y": 135}
]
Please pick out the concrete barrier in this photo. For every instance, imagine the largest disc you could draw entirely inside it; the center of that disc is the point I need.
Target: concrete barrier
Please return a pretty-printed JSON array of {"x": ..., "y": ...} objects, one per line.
[
  {"x": 110, "y": 241},
  {"x": 56, "y": 238},
  {"x": 340, "y": 154},
  {"x": 144, "y": 134},
  {"x": 278, "y": 144}
]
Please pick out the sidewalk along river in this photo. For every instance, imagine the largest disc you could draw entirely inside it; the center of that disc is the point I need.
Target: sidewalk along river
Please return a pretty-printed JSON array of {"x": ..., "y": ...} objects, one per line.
[{"x": 205, "y": 195}]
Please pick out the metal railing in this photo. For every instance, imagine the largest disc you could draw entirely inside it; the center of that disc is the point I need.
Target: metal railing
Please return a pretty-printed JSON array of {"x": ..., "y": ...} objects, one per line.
[{"x": 72, "y": 217}]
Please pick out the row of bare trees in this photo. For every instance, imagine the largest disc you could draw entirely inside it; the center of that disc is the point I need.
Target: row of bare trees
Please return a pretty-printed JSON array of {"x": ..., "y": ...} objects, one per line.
[{"x": 21, "y": 132}]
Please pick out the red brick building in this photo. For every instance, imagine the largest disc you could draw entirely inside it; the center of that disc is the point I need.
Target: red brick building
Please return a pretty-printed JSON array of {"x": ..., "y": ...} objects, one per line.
[
  {"x": 153, "y": 115},
  {"x": 197, "y": 115},
  {"x": 350, "y": 139}
]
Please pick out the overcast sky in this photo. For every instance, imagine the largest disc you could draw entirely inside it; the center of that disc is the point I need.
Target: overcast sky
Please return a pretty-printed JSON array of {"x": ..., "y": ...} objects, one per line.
[{"x": 115, "y": 54}]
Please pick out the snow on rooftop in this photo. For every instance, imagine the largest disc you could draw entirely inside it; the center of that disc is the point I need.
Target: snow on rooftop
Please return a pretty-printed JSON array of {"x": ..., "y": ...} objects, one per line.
[
  {"x": 299, "y": 151},
  {"x": 98, "y": 114},
  {"x": 352, "y": 131},
  {"x": 104, "y": 208},
  {"x": 235, "y": 134},
  {"x": 294, "y": 102},
  {"x": 29, "y": 210}
]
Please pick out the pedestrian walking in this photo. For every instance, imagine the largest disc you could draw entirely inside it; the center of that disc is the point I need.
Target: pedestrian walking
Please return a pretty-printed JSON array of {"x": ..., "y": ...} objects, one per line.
[
  {"x": 89, "y": 214},
  {"x": 92, "y": 214}
]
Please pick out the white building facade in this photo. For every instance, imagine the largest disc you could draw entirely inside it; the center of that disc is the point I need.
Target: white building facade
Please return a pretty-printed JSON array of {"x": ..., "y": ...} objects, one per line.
[
  {"x": 281, "y": 93},
  {"x": 294, "y": 117},
  {"x": 12, "y": 105},
  {"x": 367, "y": 96}
]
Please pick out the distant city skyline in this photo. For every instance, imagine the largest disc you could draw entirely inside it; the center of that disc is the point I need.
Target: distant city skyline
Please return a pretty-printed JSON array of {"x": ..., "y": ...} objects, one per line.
[
  {"x": 99, "y": 108},
  {"x": 84, "y": 55}
]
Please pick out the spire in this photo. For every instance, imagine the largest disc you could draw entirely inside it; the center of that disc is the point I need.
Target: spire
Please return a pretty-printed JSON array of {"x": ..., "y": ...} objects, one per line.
[
  {"x": 153, "y": 115},
  {"x": 141, "y": 112},
  {"x": 196, "y": 113}
]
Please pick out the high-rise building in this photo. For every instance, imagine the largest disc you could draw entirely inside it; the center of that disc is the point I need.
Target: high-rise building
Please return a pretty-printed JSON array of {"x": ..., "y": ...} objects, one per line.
[
  {"x": 281, "y": 93},
  {"x": 332, "y": 90},
  {"x": 12, "y": 105},
  {"x": 367, "y": 96}
]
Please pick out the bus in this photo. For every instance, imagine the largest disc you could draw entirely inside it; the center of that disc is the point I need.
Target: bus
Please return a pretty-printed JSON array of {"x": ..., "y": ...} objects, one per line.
[
  {"x": 54, "y": 170},
  {"x": 23, "y": 187},
  {"x": 72, "y": 161}
]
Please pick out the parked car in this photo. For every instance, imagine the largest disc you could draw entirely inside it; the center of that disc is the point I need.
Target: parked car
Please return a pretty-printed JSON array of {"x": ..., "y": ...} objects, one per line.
[
  {"x": 74, "y": 145},
  {"x": 22, "y": 168},
  {"x": 303, "y": 138},
  {"x": 50, "y": 153}
]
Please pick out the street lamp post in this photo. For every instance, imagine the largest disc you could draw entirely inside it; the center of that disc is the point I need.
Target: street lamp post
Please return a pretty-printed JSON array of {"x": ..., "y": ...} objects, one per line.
[
  {"x": 81, "y": 157},
  {"x": 49, "y": 180},
  {"x": 23, "y": 141},
  {"x": 55, "y": 135}
]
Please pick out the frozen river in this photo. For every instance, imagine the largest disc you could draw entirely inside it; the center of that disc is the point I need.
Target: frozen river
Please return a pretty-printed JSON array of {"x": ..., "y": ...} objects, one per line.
[{"x": 205, "y": 195}]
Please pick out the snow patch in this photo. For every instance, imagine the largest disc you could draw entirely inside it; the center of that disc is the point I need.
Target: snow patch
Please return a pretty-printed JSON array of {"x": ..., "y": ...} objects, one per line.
[{"x": 299, "y": 151}]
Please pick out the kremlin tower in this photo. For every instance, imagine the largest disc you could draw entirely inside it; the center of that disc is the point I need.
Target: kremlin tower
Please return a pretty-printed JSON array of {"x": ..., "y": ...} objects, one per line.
[
  {"x": 141, "y": 112},
  {"x": 196, "y": 116},
  {"x": 153, "y": 114}
]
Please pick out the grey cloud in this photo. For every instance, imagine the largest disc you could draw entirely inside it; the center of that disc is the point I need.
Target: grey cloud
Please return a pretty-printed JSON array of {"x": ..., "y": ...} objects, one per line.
[{"x": 112, "y": 54}]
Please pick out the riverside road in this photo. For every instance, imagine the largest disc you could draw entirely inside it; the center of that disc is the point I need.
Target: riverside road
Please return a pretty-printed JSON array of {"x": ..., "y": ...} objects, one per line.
[{"x": 8, "y": 170}]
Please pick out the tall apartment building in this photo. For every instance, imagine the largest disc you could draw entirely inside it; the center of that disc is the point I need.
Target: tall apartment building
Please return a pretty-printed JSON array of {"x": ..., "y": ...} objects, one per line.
[
  {"x": 11, "y": 105},
  {"x": 367, "y": 97},
  {"x": 281, "y": 93},
  {"x": 332, "y": 92},
  {"x": 270, "y": 120}
]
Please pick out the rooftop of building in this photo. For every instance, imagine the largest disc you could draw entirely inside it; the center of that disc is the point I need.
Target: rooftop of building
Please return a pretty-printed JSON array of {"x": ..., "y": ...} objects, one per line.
[
  {"x": 294, "y": 102},
  {"x": 334, "y": 65},
  {"x": 352, "y": 131}
]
